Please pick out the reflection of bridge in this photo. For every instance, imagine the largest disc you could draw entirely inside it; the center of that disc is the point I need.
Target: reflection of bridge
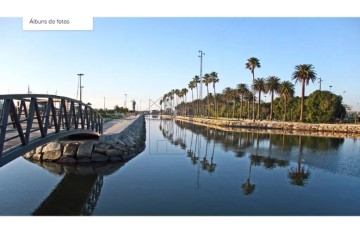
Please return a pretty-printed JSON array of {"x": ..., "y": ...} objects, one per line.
[{"x": 30, "y": 120}]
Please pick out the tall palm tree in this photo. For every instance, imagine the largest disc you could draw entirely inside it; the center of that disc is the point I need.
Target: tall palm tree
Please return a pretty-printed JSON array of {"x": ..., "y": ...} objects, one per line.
[
  {"x": 184, "y": 92},
  {"x": 172, "y": 98},
  {"x": 286, "y": 89},
  {"x": 229, "y": 96},
  {"x": 242, "y": 88},
  {"x": 259, "y": 85},
  {"x": 304, "y": 73},
  {"x": 196, "y": 80},
  {"x": 272, "y": 84},
  {"x": 191, "y": 86},
  {"x": 249, "y": 96},
  {"x": 251, "y": 64},
  {"x": 214, "y": 80},
  {"x": 207, "y": 81},
  {"x": 177, "y": 93}
]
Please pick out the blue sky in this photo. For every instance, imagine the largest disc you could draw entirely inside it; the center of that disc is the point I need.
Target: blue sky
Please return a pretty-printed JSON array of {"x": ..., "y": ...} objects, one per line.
[{"x": 147, "y": 57}]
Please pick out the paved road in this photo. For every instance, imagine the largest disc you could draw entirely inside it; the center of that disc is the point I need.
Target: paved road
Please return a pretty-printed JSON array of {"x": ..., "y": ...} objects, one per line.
[{"x": 117, "y": 125}]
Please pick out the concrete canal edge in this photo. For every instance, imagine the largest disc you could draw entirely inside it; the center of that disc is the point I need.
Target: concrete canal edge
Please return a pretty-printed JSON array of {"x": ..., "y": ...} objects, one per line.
[
  {"x": 290, "y": 128},
  {"x": 117, "y": 147}
]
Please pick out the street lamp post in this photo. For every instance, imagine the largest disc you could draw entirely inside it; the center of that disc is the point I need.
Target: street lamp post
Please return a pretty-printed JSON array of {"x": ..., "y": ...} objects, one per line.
[{"x": 80, "y": 74}]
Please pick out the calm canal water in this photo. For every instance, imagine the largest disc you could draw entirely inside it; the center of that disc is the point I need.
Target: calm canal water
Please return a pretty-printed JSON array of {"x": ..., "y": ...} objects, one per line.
[{"x": 195, "y": 170}]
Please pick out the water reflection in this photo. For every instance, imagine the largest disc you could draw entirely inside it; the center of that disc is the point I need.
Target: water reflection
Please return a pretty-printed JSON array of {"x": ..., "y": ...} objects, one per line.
[
  {"x": 269, "y": 151},
  {"x": 299, "y": 175},
  {"x": 79, "y": 190},
  {"x": 74, "y": 195},
  {"x": 248, "y": 187}
]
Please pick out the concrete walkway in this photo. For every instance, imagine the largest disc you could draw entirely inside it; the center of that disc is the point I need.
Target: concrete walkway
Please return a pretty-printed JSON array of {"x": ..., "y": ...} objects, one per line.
[{"x": 117, "y": 125}]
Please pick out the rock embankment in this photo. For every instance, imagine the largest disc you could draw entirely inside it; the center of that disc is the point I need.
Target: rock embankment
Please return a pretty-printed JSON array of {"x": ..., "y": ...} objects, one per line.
[
  {"x": 109, "y": 148},
  {"x": 339, "y": 130}
]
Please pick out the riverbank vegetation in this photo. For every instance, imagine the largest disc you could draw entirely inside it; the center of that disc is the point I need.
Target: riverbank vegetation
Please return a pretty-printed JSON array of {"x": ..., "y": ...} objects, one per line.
[{"x": 248, "y": 101}]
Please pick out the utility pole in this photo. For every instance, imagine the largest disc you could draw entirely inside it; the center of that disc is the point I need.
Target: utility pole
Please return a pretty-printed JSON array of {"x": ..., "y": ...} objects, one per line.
[
  {"x": 80, "y": 74},
  {"x": 201, "y": 78},
  {"x": 320, "y": 80},
  {"x": 104, "y": 103}
]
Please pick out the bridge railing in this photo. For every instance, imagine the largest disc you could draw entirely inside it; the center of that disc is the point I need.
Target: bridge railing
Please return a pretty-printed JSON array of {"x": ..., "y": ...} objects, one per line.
[{"x": 23, "y": 114}]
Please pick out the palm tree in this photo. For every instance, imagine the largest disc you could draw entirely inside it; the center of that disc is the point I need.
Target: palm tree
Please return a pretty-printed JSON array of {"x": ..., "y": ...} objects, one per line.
[
  {"x": 207, "y": 81},
  {"x": 214, "y": 80},
  {"x": 304, "y": 73},
  {"x": 184, "y": 92},
  {"x": 286, "y": 89},
  {"x": 228, "y": 94},
  {"x": 272, "y": 84},
  {"x": 259, "y": 85},
  {"x": 251, "y": 65},
  {"x": 172, "y": 98},
  {"x": 242, "y": 88},
  {"x": 191, "y": 86},
  {"x": 196, "y": 80},
  {"x": 249, "y": 96}
]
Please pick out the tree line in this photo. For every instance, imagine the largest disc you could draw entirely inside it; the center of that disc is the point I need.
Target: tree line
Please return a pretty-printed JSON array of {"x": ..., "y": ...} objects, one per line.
[{"x": 240, "y": 102}]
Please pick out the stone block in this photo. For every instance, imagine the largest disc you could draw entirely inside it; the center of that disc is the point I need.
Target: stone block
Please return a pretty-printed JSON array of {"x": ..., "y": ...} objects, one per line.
[
  {"x": 101, "y": 147},
  {"x": 52, "y": 155},
  {"x": 67, "y": 160},
  {"x": 85, "y": 150},
  {"x": 83, "y": 160},
  {"x": 52, "y": 146},
  {"x": 70, "y": 149},
  {"x": 114, "y": 153},
  {"x": 29, "y": 154},
  {"x": 96, "y": 157},
  {"x": 37, "y": 157},
  {"x": 39, "y": 149}
]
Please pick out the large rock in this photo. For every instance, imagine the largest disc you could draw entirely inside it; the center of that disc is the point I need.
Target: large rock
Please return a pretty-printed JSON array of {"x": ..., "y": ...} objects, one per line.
[
  {"x": 52, "y": 146},
  {"x": 85, "y": 150},
  {"x": 52, "y": 155},
  {"x": 96, "y": 157},
  {"x": 83, "y": 160},
  {"x": 29, "y": 154},
  {"x": 101, "y": 147},
  {"x": 39, "y": 149},
  {"x": 114, "y": 153},
  {"x": 37, "y": 157},
  {"x": 70, "y": 149},
  {"x": 67, "y": 160}
]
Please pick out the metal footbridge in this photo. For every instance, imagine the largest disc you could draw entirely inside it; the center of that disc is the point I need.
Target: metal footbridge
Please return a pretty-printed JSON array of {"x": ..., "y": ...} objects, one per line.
[{"x": 30, "y": 120}]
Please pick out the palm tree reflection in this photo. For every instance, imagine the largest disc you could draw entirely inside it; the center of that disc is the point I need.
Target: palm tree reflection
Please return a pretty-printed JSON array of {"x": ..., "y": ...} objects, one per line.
[
  {"x": 298, "y": 176},
  {"x": 247, "y": 187},
  {"x": 205, "y": 164}
]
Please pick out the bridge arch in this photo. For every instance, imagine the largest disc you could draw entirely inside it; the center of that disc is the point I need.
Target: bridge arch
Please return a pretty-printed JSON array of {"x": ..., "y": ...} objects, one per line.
[{"x": 30, "y": 120}]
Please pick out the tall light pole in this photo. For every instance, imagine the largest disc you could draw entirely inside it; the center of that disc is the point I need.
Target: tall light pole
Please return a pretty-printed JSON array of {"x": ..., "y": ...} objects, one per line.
[
  {"x": 320, "y": 80},
  {"x": 201, "y": 78},
  {"x": 80, "y": 74},
  {"x": 104, "y": 103}
]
